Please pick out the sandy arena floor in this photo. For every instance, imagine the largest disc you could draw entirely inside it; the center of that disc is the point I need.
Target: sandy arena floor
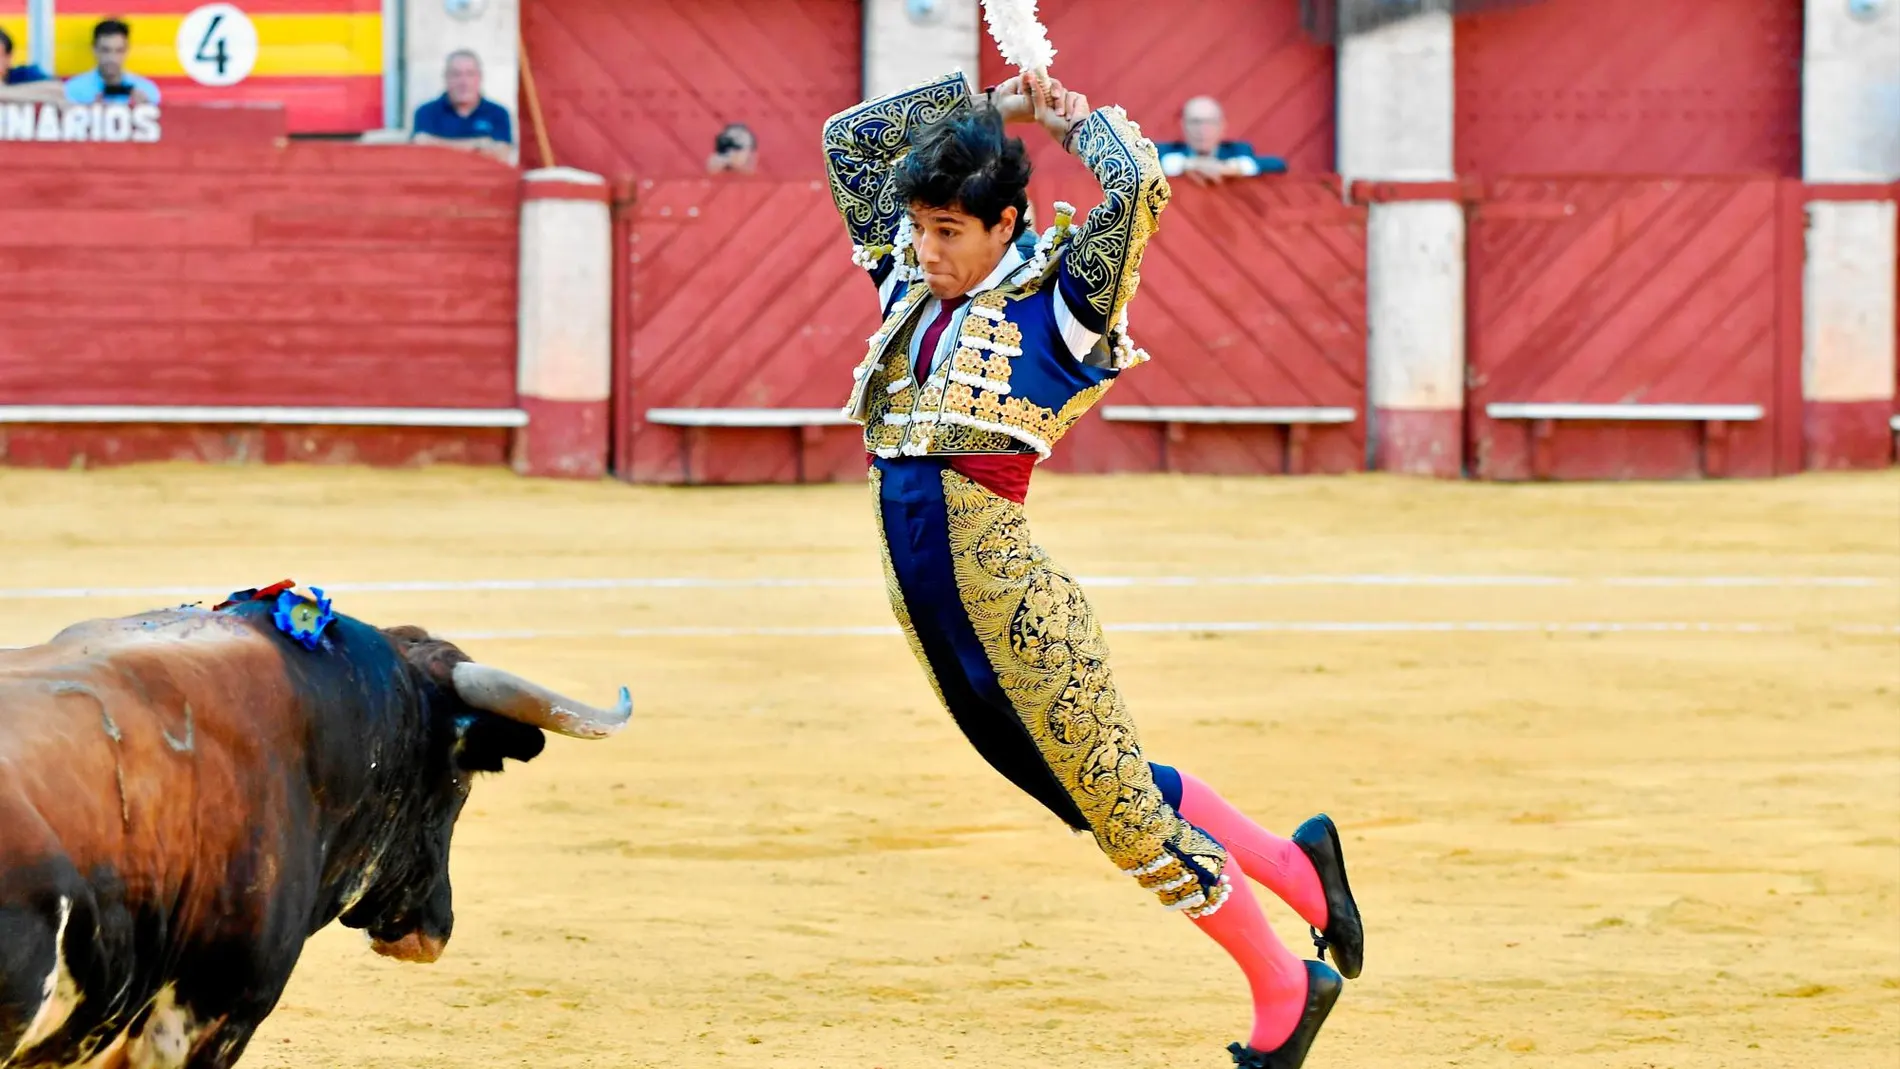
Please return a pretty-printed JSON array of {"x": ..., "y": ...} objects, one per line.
[{"x": 1624, "y": 846}]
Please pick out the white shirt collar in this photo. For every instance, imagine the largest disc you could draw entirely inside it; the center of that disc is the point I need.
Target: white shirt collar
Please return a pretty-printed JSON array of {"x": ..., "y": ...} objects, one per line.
[{"x": 1005, "y": 267}]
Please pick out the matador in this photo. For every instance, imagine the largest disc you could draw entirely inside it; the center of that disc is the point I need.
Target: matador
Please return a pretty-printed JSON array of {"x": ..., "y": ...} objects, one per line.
[{"x": 990, "y": 349}]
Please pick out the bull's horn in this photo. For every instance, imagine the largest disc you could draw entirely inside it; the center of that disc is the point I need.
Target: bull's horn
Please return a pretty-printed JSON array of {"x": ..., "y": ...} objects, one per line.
[{"x": 509, "y": 695}]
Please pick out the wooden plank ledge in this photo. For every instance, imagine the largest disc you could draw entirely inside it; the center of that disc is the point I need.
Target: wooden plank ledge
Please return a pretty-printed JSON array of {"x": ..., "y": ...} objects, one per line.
[
  {"x": 264, "y": 415},
  {"x": 1714, "y": 419},
  {"x": 1224, "y": 414},
  {"x": 1689, "y": 413},
  {"x": 698, "y": 425},
  {"x": 1175, "y": 419},
  {"x": 749, "y": 417}
]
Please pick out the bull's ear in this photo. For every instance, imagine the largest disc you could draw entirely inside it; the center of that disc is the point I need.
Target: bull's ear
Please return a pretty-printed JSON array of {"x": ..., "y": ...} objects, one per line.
[{"x": 483, "y": 741}]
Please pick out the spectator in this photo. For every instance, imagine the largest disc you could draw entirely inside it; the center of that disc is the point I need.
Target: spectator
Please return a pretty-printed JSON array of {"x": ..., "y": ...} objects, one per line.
[
  {"x": 735, "y": 151},
  {"x": 25, "y": 83},
  {"x": 1204, "y": 155},
  {"x": 24, "y": 74},
  {"x": 110, "y": 82},
  {"x": 461, "y": 117}
]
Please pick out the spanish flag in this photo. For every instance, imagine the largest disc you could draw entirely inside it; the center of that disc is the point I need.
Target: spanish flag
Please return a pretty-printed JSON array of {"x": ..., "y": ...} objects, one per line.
[{"x": 321, "y": 59}]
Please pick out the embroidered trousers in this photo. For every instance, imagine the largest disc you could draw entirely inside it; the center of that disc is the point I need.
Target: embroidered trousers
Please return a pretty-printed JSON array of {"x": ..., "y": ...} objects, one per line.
[{"x": 1019, "y": 660}]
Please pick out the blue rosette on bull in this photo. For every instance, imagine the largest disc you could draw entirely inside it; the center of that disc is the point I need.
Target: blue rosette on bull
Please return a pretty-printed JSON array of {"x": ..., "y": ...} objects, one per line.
[{"x": 303, "y": 618}]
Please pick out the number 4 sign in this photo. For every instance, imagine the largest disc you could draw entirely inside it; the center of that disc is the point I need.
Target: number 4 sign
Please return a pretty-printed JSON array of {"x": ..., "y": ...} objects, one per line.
[{"x": 217, "y": 45}]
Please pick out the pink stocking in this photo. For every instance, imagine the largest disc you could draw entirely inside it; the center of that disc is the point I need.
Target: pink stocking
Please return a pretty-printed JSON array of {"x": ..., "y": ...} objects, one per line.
[
  {"x": 1279, "y": 864},
  {"x": 1276, "y": 978}
]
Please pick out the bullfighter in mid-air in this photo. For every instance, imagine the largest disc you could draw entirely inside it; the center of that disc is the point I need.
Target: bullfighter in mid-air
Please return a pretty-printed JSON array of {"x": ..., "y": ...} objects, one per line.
[{"x": 989, "y": 351}]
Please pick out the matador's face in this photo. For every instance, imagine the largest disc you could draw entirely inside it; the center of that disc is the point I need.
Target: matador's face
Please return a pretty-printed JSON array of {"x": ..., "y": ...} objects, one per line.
[{"x": 956, "y": 251}]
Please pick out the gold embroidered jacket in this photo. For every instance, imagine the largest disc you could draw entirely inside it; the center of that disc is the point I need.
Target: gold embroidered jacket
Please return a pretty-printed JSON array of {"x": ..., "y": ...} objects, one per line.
[{"x": 1037, "y": 348}]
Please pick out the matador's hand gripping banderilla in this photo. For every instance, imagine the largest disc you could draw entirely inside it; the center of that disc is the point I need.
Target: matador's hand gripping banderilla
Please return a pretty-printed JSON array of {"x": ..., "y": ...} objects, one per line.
[{"x": 1021, "y": 39}]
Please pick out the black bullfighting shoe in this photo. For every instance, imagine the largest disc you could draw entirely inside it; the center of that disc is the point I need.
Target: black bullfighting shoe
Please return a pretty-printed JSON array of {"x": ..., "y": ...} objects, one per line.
[
  {"x": 1322, "y": 990},
  {"x": 1343, "y": 936}
]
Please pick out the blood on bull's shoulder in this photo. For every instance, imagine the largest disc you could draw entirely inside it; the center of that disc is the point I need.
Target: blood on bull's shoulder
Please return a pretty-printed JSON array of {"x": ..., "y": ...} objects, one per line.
[{"x": 191, "y": 793}]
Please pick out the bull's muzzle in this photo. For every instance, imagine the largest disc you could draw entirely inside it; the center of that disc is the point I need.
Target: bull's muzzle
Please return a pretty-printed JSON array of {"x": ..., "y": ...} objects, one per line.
[{"x": 415, "y": 947}]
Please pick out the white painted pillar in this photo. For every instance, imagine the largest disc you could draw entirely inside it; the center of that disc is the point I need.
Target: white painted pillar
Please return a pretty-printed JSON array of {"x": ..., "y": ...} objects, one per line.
[
  {"x": 491, "y": 29},
  {"x": 1850, "y": 134},
  {"x": 38, "y": 46},
  {"x": 912, "y": 41},
  {"x": 1395, "y": 122},
  {"x": 565, "y": 326},
  {"x": 395, "y": 115}
]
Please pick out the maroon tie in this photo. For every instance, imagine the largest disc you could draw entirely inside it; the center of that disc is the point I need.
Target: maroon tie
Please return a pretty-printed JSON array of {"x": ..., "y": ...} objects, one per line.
[{"x": 934, "y": 334}]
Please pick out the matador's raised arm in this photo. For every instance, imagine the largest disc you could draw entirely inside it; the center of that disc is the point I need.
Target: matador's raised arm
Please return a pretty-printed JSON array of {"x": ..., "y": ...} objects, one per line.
[
  {"x": 1103, "y": 262},
  {"x": 863, "y": 146}
]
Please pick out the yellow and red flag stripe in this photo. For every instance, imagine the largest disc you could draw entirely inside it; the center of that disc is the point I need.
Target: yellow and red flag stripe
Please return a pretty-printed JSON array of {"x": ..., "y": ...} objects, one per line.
[
  {"x": 13, "y": 20},
  {"x": 321, "y": 59}
]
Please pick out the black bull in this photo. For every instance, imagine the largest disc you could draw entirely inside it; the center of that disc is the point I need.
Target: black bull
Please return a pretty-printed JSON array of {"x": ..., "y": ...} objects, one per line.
[{"x": 186, "y": 796}]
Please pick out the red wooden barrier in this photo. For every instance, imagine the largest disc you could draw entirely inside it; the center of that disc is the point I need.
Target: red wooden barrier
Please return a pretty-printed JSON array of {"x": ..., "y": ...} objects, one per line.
[
  {"x": 643, "y": 86},
  {"x": 1275, "y": 84},
  {"x": 223, "y": 125},
  {"x": 1619, "y": 291},
  {"x": 742, "y": 294},
  {"x": 307, "y": 275},
  {"x": 1253, "y": 294},
  {"x": 1631, "y": 87}
]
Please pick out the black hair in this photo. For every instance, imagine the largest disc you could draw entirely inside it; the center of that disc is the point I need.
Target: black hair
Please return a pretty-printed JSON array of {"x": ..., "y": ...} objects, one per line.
[
  {"x": 726, "y": 142},
  {"x": 966, "y": 162},
  {"x": 6, "y": 42},
  {"x": 111, "y": 28}
]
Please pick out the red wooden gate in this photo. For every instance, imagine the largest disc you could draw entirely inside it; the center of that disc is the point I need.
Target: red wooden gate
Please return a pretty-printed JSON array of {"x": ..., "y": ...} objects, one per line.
[
  {"x": 737, "y": 294},
  {"x": 1274, "y": 83},
  {"x": 1631, "y": 87},
  {"x": 1251, "y": 295},
  {"x": 742, "y": 294},
  {"x": 641, "y": 87},
  {"x": 1635, "y": 291}
]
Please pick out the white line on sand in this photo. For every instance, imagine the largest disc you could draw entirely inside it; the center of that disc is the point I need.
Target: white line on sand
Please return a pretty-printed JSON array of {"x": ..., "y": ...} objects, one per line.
[
  {"x": 1344, "y": 627},
  {"x": 457, "y": 586}
]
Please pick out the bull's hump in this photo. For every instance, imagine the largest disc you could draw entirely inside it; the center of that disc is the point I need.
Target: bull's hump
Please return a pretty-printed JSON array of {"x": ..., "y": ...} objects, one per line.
[
  {"x": 165, "y": 626},
  {"x": 101, "y": 640},
  {"x": 162, "y": 625}
]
